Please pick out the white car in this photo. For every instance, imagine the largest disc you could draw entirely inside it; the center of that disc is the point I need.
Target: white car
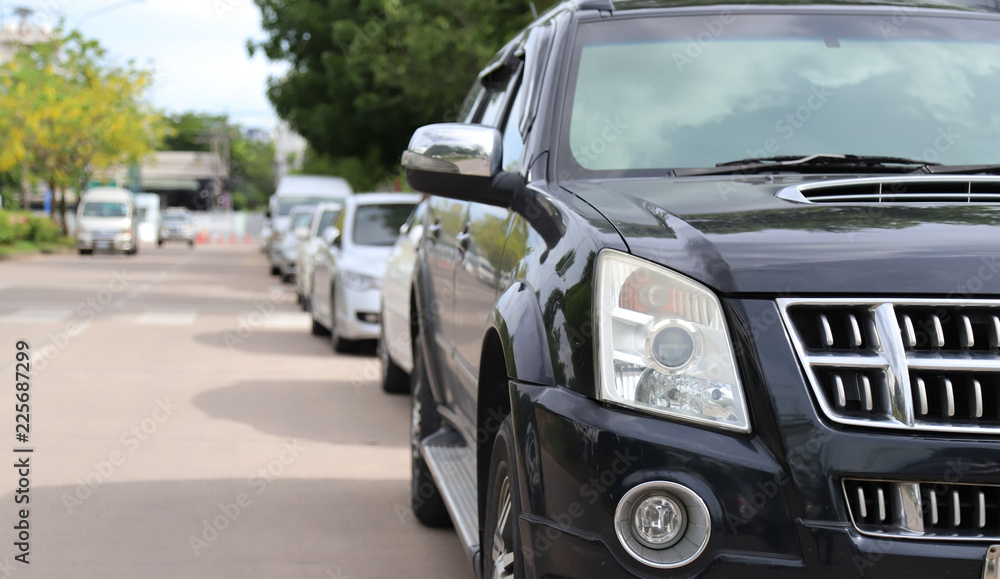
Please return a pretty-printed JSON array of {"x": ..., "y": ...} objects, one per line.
[
  {"x": 106, "y": 219},
  {"x": 347, "y": 277},
  {"x": 395, "y": 347},
  {"x": 325, "y": 216},
  {"x": 288, "y": 248},
  {"x": 296, "y": 190}
]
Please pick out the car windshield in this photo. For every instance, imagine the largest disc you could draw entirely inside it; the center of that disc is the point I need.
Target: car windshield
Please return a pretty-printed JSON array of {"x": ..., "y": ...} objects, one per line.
[
  {"x": 655, "y": 94},
  {"x": 301, "y": 220},
  {"x": 174, "y": 218},
  {"x": 379, "y": 224},
  {"x": 104, "y": 209},
  {"x": 285, "y": 204},
  {"x": 326, "y": 220}
]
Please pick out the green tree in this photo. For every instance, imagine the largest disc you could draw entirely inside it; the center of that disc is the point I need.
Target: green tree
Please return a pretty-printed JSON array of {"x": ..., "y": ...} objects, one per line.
[
  {"x": 365, "y": 74},
  {"x": 69, "y": 111}
]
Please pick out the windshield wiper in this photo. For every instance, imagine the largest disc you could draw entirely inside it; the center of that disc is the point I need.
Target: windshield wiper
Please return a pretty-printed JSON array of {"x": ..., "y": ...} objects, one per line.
[{"x": 809, "y": 163}]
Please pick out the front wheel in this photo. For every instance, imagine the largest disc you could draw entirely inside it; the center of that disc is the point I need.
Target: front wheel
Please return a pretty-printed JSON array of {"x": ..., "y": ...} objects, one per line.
[
  {"x": 502, "y": 557},
  {"x": 340, "y": 343},
  {"x": 394, "y": 379}
]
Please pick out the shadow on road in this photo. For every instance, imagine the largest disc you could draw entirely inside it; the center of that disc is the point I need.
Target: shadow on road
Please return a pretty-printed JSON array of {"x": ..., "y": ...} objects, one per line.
[
  {"x": 351, "y": 411},
  {"x": 285, "y": 528}
]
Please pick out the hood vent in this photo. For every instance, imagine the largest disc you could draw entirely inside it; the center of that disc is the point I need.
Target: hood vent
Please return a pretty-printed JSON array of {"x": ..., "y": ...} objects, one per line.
[{"x": 903, "y": 189}]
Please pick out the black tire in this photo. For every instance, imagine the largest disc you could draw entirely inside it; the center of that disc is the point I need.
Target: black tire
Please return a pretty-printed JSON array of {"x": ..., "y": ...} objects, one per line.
[
  {"x": 134, "y": 250},
  {"x": 394, "y": 379},
  {"x": 340, "y": 344},
  {"x": 503, "y": 505},
  {"x": 275, "y": 270},
  {"x": 191, "y": 244},
  {"x": 425, "y": 498},
  {"x": 159, "y": 243},
  {"x": 86, "y": 252}
]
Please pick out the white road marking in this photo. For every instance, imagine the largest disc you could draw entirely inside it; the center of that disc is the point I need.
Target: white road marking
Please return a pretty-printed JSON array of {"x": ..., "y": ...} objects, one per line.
[
  {"x": 36, "y": 316},
  {"x": 166, "y": 318},
  {"x": 288, "y": 321}
]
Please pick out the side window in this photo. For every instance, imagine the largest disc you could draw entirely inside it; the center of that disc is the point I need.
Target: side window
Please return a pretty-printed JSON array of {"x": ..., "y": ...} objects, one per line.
[
  {"x": 513, "y": 142},
  {"x": 470, "y": 105}
]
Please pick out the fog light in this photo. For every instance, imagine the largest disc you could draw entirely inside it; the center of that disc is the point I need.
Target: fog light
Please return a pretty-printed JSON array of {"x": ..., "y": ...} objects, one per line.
[
  {"x": 659, "y": 521},
  {"x": 663, "y": 524}
]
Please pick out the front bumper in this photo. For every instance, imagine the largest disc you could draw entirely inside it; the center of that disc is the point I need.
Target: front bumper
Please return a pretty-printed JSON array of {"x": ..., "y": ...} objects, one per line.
[
  {"x": 774, "y": 496},
  {"x": 176, "y": 236},
  {"x": 353, "y": 307},
  {"x": 105, "y": 244}
]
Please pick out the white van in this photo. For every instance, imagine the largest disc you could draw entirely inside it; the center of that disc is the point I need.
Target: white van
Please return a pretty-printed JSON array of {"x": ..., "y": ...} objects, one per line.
[
  {"x": 106, "y": 219},
  {"x": 299, "y": 190}
]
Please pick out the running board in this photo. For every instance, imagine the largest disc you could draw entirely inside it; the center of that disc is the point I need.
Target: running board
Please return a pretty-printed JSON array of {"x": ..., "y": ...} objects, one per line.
[{"x": 453, "y": 466}]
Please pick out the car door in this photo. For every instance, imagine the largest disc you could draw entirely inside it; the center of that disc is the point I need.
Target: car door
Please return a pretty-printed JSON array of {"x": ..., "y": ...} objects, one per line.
[
  {"x": 466, "y": 266},
  {"x": 323, "y": 274}
]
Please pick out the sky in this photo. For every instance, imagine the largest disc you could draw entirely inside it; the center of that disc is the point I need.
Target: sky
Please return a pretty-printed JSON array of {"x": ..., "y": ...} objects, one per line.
[{"x": 197, "y": 49}]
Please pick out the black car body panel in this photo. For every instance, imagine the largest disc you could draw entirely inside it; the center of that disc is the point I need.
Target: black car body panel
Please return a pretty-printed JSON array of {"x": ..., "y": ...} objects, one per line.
[
  {"x": 507, "y": 304},
  {"x": 738, "y": 237}
]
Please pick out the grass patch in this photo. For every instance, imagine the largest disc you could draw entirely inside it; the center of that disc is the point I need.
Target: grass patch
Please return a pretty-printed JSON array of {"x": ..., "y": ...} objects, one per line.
[{"x": 22, "y": 248}]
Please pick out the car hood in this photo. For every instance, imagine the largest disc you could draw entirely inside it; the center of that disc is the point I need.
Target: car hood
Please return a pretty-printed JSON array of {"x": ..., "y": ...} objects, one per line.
[
  {"x": 736, "y": 236},
  {"x": 365, "y": 260}
]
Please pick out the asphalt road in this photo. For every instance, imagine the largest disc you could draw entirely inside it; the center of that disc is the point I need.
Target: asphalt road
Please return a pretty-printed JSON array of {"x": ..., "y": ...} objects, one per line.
[{"x": 184, "y": 423}]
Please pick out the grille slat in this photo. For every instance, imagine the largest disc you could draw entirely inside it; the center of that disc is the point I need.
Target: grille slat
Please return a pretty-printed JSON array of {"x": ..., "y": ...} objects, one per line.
[
  {"x": 905, "y": 364},
  {"x": 924, "y": 510}
]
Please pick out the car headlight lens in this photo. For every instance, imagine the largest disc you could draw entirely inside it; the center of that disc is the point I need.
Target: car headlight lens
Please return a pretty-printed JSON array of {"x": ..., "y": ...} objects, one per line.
[
  {"x": 360, "y": 281},
  {"x": 662, "y": 345}
]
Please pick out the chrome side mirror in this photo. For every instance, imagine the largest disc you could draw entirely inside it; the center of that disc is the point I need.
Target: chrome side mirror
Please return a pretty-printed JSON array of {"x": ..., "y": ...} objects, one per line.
[{"x": 456, "y": 160}]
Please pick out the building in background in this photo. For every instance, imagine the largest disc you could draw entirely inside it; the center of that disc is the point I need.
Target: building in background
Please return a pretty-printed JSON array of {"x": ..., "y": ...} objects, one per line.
[
  {"x": 19, "y": 32},
  {"x": 289, "y": 150}
]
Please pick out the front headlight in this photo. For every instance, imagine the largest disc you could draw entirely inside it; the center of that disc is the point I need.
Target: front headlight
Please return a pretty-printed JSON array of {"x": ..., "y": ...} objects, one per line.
[
  {"x": 662, "y": 345},
  {"x": 360, "y": 281}
]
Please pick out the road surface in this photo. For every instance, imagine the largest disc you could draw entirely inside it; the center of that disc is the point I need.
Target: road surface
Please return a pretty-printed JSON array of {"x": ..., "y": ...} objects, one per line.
[{"x": 184, "y": 423}]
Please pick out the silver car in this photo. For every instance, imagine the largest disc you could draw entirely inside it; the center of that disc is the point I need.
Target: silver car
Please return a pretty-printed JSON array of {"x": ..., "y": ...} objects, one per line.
[
  {"x": 288, "y": 248},
  {"x": 395, "y": 348},
  {"x": 347, "y": 279},
  {"x": 175, "y": 225},
  {"x": 325, "y": 216}
]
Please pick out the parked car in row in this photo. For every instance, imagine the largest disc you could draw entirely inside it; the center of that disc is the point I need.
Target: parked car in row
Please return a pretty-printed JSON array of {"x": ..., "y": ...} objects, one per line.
[
  {"x": 294, "y": 190},
  {"x": 107, "y": 220},
  {"x": 285, "y": 258},
  {"x": 325, "y": 216},
  {"x": 175, "y": 224},
  {"x": 712, "y": 291},
  {"x": 347, "y": 275},
  {"x": 399, "y": 323}
]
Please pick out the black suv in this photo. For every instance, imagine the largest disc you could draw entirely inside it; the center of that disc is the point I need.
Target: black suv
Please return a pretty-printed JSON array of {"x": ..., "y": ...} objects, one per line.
[{"x": 714, "y": 291}]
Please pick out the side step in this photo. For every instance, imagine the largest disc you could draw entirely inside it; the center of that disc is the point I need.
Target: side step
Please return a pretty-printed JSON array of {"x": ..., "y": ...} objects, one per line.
[{"x": 453, "y": 466}]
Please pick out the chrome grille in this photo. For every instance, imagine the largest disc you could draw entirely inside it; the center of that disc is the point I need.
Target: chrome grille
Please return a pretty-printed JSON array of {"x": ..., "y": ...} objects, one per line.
[
  {"x": 924, "y": 510},
  {"x": 906, "y": 364},
  {"x": 901, "y": 189}
]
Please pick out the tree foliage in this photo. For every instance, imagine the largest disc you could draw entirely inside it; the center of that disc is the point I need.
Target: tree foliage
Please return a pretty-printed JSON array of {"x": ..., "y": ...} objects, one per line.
[
  {"x": 251, "y": 161},
  {"x": 365, "y": 74},
  {"x": 68, "y": 112}
]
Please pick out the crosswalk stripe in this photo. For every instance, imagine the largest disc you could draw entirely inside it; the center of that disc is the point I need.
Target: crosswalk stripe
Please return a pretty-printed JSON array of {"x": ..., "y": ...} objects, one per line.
[
  {"x": 36, "y": 316},
  {"x": 166, "y": 318}
]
